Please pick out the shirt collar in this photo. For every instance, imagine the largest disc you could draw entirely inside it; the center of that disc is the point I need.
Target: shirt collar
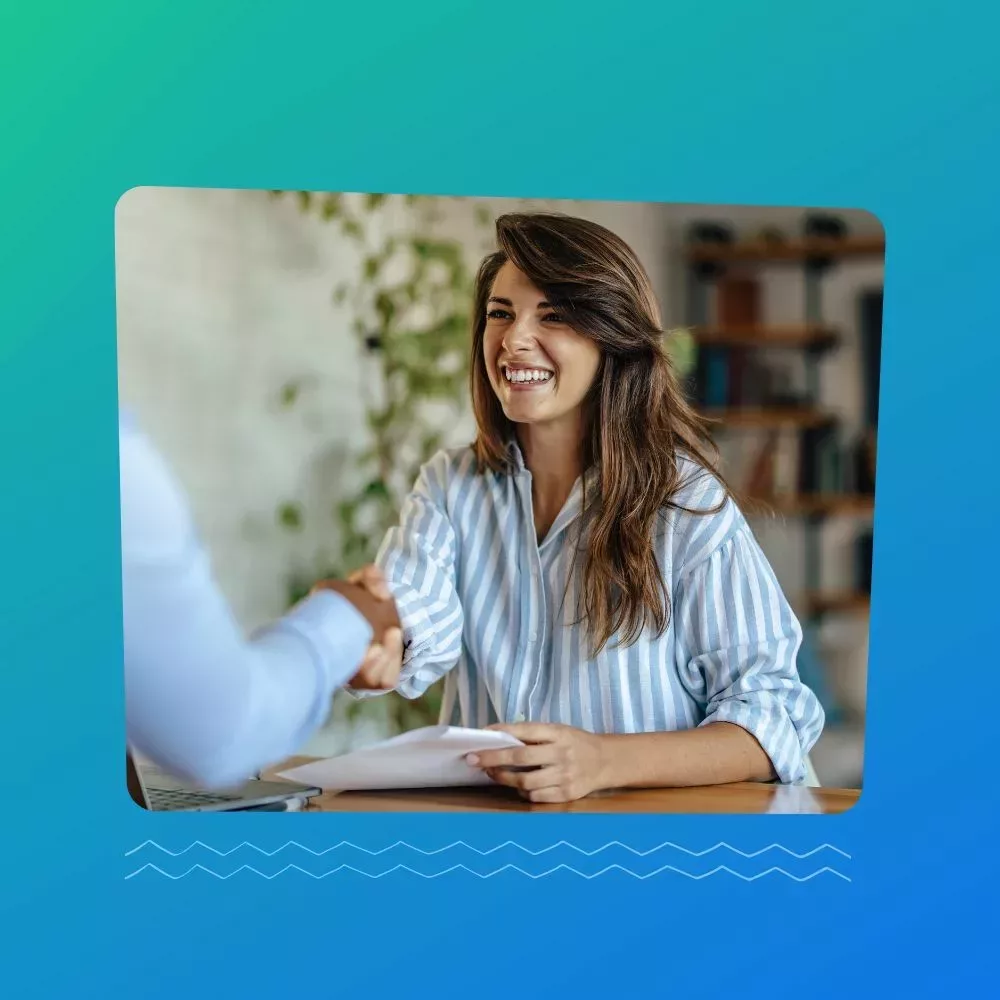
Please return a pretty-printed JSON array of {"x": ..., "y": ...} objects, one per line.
[
  {"x": 516, "y": 457},
  {"x": 574, "y": 502},
  {"x": 592, "y": 475}
]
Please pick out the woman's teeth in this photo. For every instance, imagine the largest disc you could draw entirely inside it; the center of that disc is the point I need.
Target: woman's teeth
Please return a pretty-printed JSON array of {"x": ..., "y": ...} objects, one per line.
[{"x": 527, "y": 375}]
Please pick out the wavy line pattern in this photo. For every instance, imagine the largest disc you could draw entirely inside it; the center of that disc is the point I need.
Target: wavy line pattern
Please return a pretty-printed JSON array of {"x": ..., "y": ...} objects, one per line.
[
  {"x": 686, "y": 867},
  {"x": 345, "y": 844},
  {"x": 720, "y": 870}
]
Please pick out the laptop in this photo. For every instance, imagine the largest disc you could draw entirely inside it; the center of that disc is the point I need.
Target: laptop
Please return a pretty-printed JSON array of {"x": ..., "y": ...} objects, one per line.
[{"x": 153, "y": 789}]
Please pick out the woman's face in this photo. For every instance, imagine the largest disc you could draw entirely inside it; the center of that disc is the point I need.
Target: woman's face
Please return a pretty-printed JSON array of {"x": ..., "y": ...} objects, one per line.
[{"x": 540, "y": 368}]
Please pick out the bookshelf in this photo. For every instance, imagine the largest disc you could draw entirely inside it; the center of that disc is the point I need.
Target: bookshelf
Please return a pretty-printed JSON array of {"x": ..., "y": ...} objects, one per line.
[
  {"x": 802, "y": 335},
  {"x": 768, "y": 418},
  {"x": 735, "y": 334},
  {"x": 817, "y": 505},
  {"x": 832, "y": 602},
  {"x": 788, "y": 251}
]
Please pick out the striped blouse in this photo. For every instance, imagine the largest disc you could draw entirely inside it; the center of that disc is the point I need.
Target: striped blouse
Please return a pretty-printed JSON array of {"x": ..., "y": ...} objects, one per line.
[{"x": 487, "y": 607}]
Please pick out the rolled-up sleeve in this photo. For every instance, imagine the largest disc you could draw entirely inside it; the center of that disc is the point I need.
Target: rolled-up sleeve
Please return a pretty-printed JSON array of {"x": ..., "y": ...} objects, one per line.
[
  {"x": 418, "y": 558},
  {"x": 738, "y": 641}
]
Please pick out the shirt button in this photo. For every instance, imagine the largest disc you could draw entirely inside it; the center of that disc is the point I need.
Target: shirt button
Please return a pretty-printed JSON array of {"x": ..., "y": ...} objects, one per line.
[{"x": 519, "y": 717}]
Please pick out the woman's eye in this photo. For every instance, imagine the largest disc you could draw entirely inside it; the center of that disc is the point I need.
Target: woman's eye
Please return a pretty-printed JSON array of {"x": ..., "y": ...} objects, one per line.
[
  {"x": 498, "y": 314},
  {"x": 554, "y": 318}
]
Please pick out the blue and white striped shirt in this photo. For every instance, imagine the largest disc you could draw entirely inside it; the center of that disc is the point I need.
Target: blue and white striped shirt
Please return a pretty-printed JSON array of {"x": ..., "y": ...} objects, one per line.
[{"x": 484, "y": 605}]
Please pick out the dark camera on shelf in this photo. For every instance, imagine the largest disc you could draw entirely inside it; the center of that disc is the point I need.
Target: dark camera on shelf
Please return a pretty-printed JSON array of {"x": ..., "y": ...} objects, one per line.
[
  {"x": 716, "y": 233},
  {"x": 710, "y": 234},
  {"x": 824, "y": 227},
  {"x": 818, "y": 226}
]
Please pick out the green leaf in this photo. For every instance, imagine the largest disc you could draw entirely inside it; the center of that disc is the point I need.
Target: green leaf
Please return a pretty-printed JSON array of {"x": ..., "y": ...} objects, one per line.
[
  {"x": 299, "y": 586},
  {"x": 682, "y": 349},
  {"x": 340, "y": 294},
  {"x": 353, "y": 710},
  {"x": 373, "y": 201},
  {"x": 483, "y": 215},
  {"x": 385, "y": 307},
  {"x": 431, "y": 384},
  {"x": 379, "y": 420},
  {"x": 346, "y": 511},
  {"x": 297, "y": 590},
  {"x": 358, "y": 552},
  {"x": 290, "y": 516},
  {"x": 376, "y": 489},
  {"x": 351, "y": 228},
  {"x": 305, "y": 200},
  {"x": 440, "y": 250},
  {"x": 430, "y": 443},
  {"x": 290, "y": 393},
  {"x": 424, "y": 711},
  {"x": 331, "y": 207}
]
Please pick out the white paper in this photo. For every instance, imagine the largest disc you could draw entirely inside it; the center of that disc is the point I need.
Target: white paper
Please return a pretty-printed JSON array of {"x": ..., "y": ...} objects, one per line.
[{"x": 431, "y": 757}]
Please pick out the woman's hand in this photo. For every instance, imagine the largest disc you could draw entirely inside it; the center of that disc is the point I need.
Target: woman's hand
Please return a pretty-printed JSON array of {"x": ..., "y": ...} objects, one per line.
[
  {"x": 382, "y": 664},
  {"x": 379, "y": 670},
  {"x": 565, "y": 763},
  {"x": 368, "y": 591}
]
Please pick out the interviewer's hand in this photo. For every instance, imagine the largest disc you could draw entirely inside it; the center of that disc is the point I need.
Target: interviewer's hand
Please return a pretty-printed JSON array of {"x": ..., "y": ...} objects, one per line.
[{"x": 378, "y": 610}]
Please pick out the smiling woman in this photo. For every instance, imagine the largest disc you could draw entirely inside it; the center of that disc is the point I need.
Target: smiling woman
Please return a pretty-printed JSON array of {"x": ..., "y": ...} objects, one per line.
[
  {"x": 581, "y": 574},
  {"x": 538, "y": 366}
]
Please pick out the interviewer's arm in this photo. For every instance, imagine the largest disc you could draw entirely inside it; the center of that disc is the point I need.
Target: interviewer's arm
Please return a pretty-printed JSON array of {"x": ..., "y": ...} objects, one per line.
[{"x": 203, "y": 701}]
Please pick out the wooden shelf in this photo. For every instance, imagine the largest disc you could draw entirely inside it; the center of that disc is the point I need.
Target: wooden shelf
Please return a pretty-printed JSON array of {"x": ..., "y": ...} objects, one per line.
[
  {"x": 802, "y": 335},
  {"x": 791, "y": 250},
  {"x": 838, "y": 603},
  {"x": 827, "y": 504},
  {"x": 768, "y": 418}
]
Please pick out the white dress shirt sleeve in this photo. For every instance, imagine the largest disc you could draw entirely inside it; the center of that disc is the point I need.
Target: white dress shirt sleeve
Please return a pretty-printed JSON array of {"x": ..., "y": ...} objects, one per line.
[{"x": 202, "y": 700}]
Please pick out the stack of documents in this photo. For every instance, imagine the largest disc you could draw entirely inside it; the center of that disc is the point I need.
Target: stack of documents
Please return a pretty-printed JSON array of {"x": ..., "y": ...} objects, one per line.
[{"x": 431, "y": 757}]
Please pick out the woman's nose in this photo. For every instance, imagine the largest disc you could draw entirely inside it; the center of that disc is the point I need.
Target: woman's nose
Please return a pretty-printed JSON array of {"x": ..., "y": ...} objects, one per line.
[{"x": 520, "y": 336}]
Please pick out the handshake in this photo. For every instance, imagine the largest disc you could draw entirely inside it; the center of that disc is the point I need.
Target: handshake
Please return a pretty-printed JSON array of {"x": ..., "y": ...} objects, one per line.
[{"x": 367, "y": 590}]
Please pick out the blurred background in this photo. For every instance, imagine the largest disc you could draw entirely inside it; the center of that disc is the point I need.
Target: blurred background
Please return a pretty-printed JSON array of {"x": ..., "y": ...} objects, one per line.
[{"x": 297, "y": 355}]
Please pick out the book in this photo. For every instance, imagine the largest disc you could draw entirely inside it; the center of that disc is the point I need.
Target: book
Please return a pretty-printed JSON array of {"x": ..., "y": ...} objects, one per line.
[
  {"x": 737, "y": 307},
  {"x": 786, "y": 464}
]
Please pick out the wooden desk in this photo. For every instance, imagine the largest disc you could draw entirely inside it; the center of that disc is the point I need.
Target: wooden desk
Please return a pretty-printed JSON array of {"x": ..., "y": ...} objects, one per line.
[{"x": 747, "y": 797}]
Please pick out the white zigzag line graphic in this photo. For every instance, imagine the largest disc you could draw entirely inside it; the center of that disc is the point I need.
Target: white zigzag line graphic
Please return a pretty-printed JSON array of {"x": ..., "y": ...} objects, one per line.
[
  {"x": 720, "y": 870},
  {"x": 488, "y": 851}
]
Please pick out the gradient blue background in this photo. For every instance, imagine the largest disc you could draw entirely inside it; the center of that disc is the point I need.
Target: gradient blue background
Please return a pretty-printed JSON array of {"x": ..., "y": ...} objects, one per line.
[{"x": 892, "y": 110}]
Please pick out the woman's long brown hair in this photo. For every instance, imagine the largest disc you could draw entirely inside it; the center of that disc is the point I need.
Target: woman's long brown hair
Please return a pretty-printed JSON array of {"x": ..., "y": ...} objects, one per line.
[{"x": 638, "y": 422}]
